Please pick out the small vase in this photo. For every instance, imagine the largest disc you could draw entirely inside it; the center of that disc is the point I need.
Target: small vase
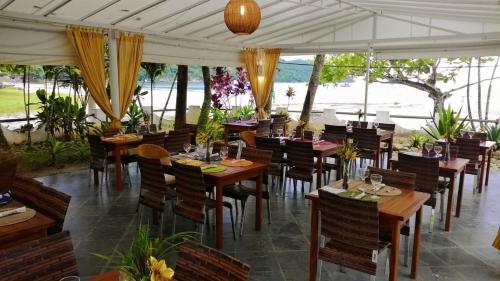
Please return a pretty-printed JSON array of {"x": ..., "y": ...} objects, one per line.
[{"x": 345, "y": 167}]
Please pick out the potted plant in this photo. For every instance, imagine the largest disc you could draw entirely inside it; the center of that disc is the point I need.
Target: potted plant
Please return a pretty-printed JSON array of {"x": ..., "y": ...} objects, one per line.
[
  {"x": 347, "y": 153},
  {"x": 207, "y": 135},
  {"x": 290, "y": 93}
]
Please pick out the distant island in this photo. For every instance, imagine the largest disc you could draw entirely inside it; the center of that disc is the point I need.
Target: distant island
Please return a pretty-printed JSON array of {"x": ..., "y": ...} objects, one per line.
[{"x": 288, "y": 72}]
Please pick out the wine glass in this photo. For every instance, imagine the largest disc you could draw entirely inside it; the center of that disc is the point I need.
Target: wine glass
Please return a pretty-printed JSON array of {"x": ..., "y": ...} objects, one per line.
[
  {"x": 187, "y": 147},
  {"x": 437, "y": 150},
  {"x": 375, "y": 125},
  {"x": 349, "y": 126},
  {"x": 376, "y": 180},
  {"x": 363, "y": 173},
  {"x": 279, "y": 132},
  {"x": 462, "y": 133},
  {"x": 471, "y": 134},
  {"x": 428, "y": 146},
  {"x": 223, "y": 153}
]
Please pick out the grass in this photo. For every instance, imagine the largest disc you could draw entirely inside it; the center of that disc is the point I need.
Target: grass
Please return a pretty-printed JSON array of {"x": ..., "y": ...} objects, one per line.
[{"x": 12, "y": 101}]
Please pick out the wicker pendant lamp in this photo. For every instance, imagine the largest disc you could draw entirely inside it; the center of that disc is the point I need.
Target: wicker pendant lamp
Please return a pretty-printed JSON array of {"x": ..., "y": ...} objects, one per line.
[{"x": 242, "y": 17}]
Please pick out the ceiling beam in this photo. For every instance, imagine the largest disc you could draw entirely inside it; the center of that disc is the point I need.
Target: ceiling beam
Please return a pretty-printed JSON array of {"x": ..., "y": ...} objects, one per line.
[
  {"x": 7, "y": 4},
  {"x": 432, "y": 5},
  {"x": 187, "y": 8},
  {"x": 186, "y": 23},
  {"x": 430, "y": 25},
  {"x": 59, "y": 6},
  {"x": 100, "y": 9},
  {"x": 340, "y": 27},
  {"x": 133, "y": 14}
]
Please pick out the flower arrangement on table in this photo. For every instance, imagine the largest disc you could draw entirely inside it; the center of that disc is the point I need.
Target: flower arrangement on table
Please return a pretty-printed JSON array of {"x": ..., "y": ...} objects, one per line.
[
  {"x": 290, "y": 93},
  {"x": 347, "y": 154},
  {"x": 145, "y": 258},
  {"x": 211, "y": 132},
  {"x": 300, "y": 126}
]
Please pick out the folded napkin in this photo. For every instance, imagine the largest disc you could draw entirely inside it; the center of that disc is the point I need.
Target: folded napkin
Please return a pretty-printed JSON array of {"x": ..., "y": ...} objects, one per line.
[
  {"x": 5, "y": 198},
  {"x": 13, "y": 212}
]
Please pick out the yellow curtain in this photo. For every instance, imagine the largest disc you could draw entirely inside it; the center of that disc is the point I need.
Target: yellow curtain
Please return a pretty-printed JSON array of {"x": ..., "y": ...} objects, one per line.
[
  {"x": 130, "y": 49},
  {"x": 89, "y": 49},
  {"x": 261, "y": 88},
  {"x": 496, "y": 243}
]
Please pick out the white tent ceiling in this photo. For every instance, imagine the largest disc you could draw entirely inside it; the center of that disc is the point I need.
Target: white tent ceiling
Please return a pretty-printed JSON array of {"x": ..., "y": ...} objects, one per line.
[{"x": 193, "y": 31}]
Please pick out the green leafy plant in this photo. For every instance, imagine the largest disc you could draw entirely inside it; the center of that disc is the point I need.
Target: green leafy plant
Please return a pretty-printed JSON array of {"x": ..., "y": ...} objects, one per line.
[
  {"x": 135, "y": 115},
  {"x": 417, "y": 140},
  {"x": 135, "y": 262},
  {"x": 219, "y": 115},
  {"x": 493, "y": 134},
  {"x": 448, "y": 126},
  {"x": 55, "y": 148},
  {"x": 213, "y": 131},
  {"x": 244, "y": 111}
]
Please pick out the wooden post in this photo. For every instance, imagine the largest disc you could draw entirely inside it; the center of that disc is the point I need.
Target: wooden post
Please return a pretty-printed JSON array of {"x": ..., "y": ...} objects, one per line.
[{"x": 181, "y": 100}]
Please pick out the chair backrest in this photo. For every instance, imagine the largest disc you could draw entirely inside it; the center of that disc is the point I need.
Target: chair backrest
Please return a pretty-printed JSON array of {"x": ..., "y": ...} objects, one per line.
[
  {"x": 232, "y": 149},
  {"x": 257, "y": 155},
  {"x": 202, "y": 263},
  {"x": 426, "y": 169},
  {"x": 395, "y": 178},
  {"x": 480, "y": 135},
  {"x": 141, "y": 130},
  {"x": 299, "y": 154},
  {"x": 8, "y": 169},
  {"x": 46, "y": 259},
  {"x": 191, "y": 192},
  {"x": 308, "y": 135},
  {"x": 264, "y": 128},
  {"x": 43, "y": 199},
  {"x": 154, "y": 190},
  {"x": 335, "y": 138},
  {"x": 192, "y": 129},
  {"x": 387, "y": 126},
  {"x": 98, "y": 152},
  {"x": 175, "y": 141},
  {"x": 152, "y": 128},
  {"x": 273, "y": 144},
  {"x": 278, "y": 116},
  {"x": 334, "y": 129},
  {"x": 248, "y": 137},
  {"x": 365, "y": 138},
  {"x": 152, "y": 151},
  {"x": 351, "y": 228},
  {"x": 469, "y": 148},
  {"x": 278, "y": 123},
  {"x": 109, "y": 132},
  {"x": 154, "y": 138},
  {"x": 360, "y": 124}
]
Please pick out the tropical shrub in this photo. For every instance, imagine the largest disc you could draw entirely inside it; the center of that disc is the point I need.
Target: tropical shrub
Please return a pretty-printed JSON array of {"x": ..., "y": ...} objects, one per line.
[
  {"x": 135, "y": 115},
  {"x": 417, "y": 140},
  {"x": 448, "y": 126},
  {"x": 493, "y": 134},
  {"x": 244, "y": 111}
]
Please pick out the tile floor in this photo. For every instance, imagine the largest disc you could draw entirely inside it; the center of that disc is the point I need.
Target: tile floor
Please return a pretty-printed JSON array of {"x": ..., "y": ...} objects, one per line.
[{"x": 102, "y": 220}]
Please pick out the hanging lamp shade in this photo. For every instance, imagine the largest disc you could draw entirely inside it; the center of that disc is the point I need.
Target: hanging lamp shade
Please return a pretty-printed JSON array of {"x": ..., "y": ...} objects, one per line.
[{"x": 242, "y": 17}]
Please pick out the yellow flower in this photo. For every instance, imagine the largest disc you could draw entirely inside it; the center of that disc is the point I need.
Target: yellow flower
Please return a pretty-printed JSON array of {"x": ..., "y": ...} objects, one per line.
[
  {"x": 353, "y": 156},
  {"x": 159, "y": 270},
  {"x": 301, "y": 123}
]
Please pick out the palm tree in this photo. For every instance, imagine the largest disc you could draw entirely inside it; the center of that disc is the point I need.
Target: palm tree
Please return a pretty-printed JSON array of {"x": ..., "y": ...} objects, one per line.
[
  {"x": 154, "y": 71},
  {"x": 205, "y": 108},
  {"x": 319, "y": 61},
  {"x": 181, "y": 100}
]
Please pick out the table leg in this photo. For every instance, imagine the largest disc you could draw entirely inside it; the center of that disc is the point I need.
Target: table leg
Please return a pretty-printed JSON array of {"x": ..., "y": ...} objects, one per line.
[
  {"x": 118, "y": 168},
  {"x": 490, "y": 152},
  {"x": 416, "y": 244},
  {"x": 313, "y": 248},
  {"x": 258, "y": 203},
  {"x": 377, "y": 157},
  {"x": 226, "y": 135},
  {"x": 96, "y": 177},
  {"x": 449, "y": 205},
  {"x": 393, "y": 266},
  {"x": 460, "y": 191},
  {"x": 389, "y": 153},
  {"x": 483, "y": 166},
  {"x": 319, "y": 171},
  {"x": 218, "y": 217}
]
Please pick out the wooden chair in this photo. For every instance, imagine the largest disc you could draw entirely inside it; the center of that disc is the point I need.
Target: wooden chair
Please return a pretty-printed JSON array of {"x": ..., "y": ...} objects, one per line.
[
  {"x": 308, "y": 135},
  {"x": 328, "y": 166},
  {"x": 470, "y": 149},
  {"x": 8, "y": 169},
  {"x": 175, "y": 141},
  {"x": 248, "y": 137},
  {"x": 399, "y": 180},
  {"x": 109, "y": 132},
  {"x": 232, "y": 149},
  {"x": 278, "y": 123},
  {"x": 99, "y": 158},
  {"x": 43, "y": 199},
  {"x": 351, "y": 230},
  {"x": 300, "y": 163},
  {"x": 384, "y": 147},
  {"x": 141, "y": 130},
  {"x": 152, "y": 128},
  {"x": 241, "y": 192},
  {"x": 480, "y": 135},
  {"x": 278, "y": 161},
  {"x": 202, "y": 263},
  {"x": 336, "y": 130},
  {"x": 367, "y": 143},
  {"x": 192, "y": 202},
  {"x": 264, "y": 128},
  {"x": 156, "y": 189},
  {"x": 154, "y": 138},
  {"x": 152, "y": 151},
  {"x": 387, "y": 126},
  {"x": 427, "y": 171},
  {"x": 46, "y": 259},
  {"x": 358, "y": 124}
]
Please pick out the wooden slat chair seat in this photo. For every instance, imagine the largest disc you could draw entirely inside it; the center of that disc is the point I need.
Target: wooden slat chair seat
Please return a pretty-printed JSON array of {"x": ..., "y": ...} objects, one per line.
[
  {"x": 154, "y": 138},
  {"x": 153, "y": 151},
  {"x": 192, "y": 202},
  {"x": 43, "y": 199},
  {"x": 300, "y": 162},
  {"x": 241, "y": 192},
  {"x": 175, "y": 141},
  {"x": 427, "y": 171},
  {"x": 202, "y": 263},
  {"x": 351, "y": 230},
  {"x": 47, "y": 259},
  {"x": 399, "y": 180}
]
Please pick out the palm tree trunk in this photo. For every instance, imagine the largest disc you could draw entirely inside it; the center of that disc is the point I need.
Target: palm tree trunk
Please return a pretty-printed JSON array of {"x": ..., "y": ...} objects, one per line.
[
  {"x": 488, "y": 97},
  {"x": 479, "y": 107},
  {"x": 207, "y": 98},
  {"x": 166, "y": 103},
  {"x": 28, "y": 107},
  {"x": 319, "y": 61},
  {"x": 469, "y": 110},
  {"x": 181, "y": 101}
]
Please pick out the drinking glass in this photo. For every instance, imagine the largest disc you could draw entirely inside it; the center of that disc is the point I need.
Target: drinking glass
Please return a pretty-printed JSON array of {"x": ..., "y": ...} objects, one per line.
[
  {"x": 279, "y": 132},
  {"x": 363, "y": 173},
  {"x": 376, "y": 180},
  {"x": 462, "y": 133},
  {"x": 471, "y": 134},
  {"x": 201, "y": 151},
  {"x": 224, "y": 152},
  {"x": 375, "y": 125},
  {"x": 428, "y": 146},
  {"x": 437, "y": 150},
  {"x": 187, "y": 147}
]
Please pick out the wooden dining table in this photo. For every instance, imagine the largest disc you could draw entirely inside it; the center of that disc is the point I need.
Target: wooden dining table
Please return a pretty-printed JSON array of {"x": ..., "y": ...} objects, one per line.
[
  {"x": 393, "y": 211},
  {"x": 230, "y": 176},
  {"x": 238, "y": 126},
  {"x": 486, "y": 151},
  {"x": 32, "y": 229},
  {"x": 448, "y": 169}
]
